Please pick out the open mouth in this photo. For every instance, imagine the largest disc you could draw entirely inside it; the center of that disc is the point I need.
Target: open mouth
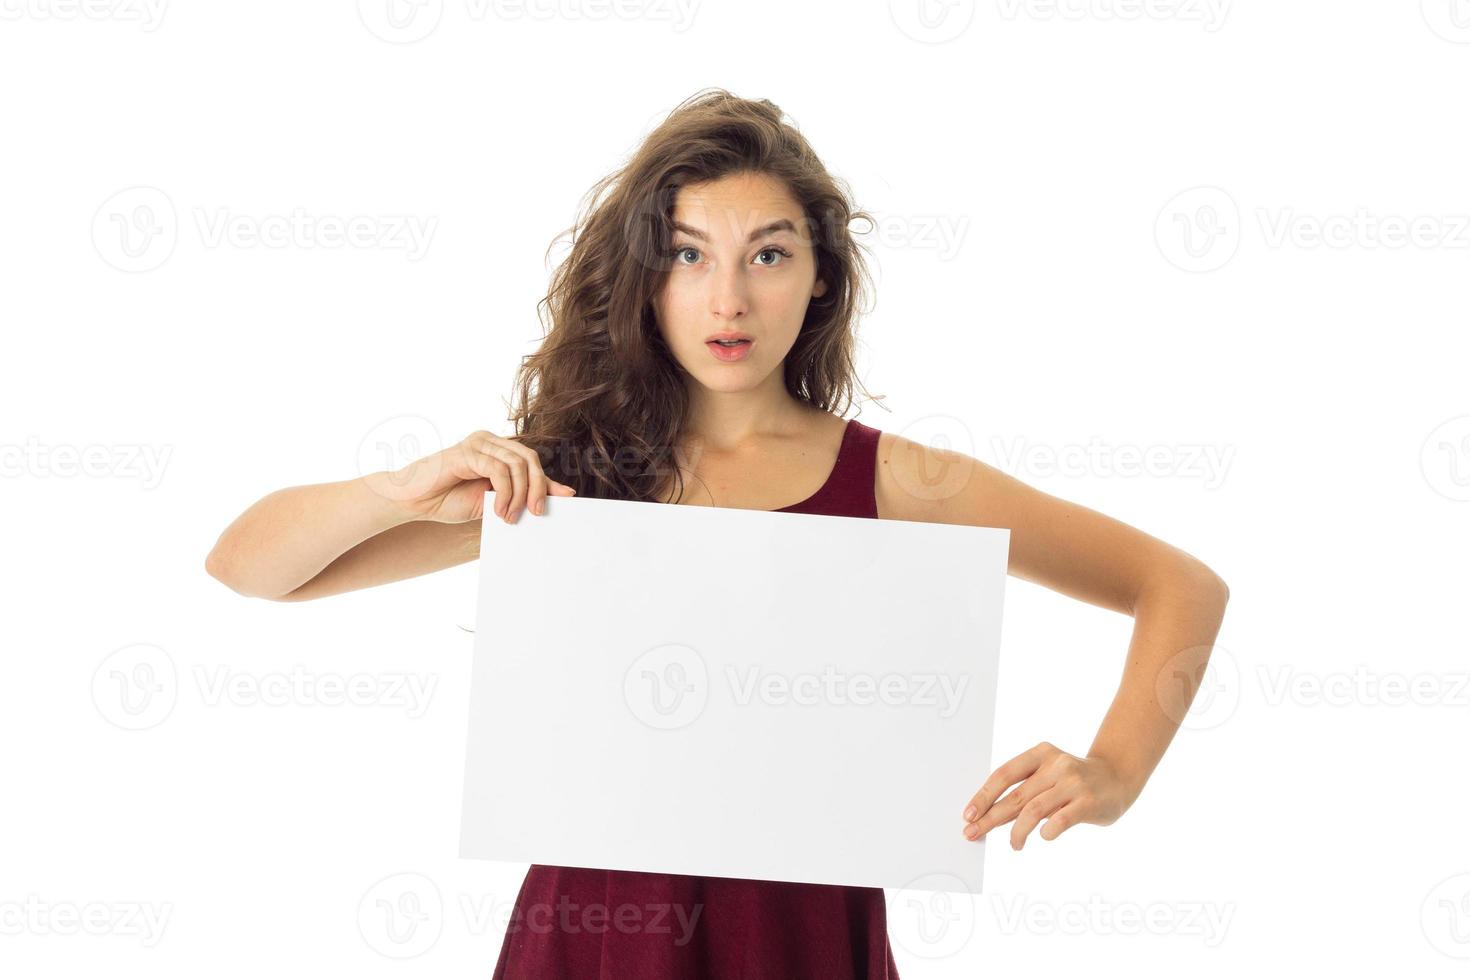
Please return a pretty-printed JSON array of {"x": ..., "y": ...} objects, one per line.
[{"x": 733, "y": 348}]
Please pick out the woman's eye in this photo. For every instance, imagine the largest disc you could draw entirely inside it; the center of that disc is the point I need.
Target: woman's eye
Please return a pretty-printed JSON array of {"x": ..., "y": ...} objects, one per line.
[{"x": 774, "y": 253}]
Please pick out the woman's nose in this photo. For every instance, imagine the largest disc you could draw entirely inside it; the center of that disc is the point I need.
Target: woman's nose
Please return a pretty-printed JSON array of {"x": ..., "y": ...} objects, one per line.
[{"x": 728, "y": 294}]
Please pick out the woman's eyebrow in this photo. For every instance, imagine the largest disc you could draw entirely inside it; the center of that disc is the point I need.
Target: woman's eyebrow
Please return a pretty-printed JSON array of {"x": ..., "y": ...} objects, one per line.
[{"x": 781, "y": 224}]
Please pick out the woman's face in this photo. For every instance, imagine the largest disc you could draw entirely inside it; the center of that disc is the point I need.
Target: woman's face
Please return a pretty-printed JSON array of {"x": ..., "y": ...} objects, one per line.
[{"x": 743, "y": 265}]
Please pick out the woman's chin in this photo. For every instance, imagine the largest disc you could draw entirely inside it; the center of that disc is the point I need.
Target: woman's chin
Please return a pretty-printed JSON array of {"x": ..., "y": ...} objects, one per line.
[{"x": 729, "y": 378}]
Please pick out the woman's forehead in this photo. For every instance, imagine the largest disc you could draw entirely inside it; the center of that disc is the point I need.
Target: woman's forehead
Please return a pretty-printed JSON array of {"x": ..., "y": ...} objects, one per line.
[{"x": 736, "y": 206}]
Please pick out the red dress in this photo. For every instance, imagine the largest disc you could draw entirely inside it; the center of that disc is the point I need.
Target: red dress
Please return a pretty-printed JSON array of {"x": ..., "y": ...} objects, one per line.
[{"x": 589, "y": 924}]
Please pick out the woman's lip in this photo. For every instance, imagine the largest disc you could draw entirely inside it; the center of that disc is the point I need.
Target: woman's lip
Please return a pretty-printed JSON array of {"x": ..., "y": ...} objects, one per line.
[{"x": 737, "y": 353}]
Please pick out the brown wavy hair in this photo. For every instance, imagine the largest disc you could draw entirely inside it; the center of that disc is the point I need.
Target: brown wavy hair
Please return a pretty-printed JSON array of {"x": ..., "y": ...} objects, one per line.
[{"x": 603, "y": 401}]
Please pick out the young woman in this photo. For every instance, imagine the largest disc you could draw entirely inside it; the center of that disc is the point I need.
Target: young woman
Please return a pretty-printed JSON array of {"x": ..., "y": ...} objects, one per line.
[{"x": 700, "y": 344}]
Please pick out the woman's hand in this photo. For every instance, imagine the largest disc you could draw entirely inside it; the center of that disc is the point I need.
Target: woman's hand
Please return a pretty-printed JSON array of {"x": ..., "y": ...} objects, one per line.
[
  {"x": 449, "y": 486},
  {"x": 1061, "y": 788}
]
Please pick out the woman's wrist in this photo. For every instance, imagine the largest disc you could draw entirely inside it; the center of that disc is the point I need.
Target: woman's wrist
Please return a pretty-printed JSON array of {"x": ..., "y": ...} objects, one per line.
[{"x": 388, "y": 501}]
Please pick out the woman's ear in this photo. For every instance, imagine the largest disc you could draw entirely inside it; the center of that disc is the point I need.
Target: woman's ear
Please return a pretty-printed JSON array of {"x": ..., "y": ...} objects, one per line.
[{"x": 820, "y": 289}]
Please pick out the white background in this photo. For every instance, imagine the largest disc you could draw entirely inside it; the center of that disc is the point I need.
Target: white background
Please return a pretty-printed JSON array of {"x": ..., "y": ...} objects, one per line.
[{"x": 1093, "y": 304}]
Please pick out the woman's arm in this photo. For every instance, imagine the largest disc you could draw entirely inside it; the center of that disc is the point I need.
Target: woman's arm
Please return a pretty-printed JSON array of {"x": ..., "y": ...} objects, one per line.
[
  {"x": 313, "y": 541},
  {"x": 306, "y": 542},
  {"x": 1177, "y": 603}
]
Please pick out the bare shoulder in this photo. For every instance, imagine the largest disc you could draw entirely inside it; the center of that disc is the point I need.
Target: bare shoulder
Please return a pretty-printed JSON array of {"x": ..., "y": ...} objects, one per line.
[
  {"x": 1057, "y": 543},
  {"x": 915, "y": 482}
]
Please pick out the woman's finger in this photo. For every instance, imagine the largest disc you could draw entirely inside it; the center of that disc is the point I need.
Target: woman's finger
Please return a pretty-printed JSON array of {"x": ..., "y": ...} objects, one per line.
[
  {"x": 490, "y": 467},
  {"x": 1034, "y": 810},
  {"x": 517, "y": 466},
  {"x": 1012, "y": 772},
  {"x": 538, "y": 484},
  {"x": 1068, "y": 816},
  {"x": 1006, "y": 809}
]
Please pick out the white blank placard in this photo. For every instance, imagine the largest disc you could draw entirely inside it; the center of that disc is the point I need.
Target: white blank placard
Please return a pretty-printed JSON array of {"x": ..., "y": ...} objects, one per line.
[{"x": 734, "y": 693}]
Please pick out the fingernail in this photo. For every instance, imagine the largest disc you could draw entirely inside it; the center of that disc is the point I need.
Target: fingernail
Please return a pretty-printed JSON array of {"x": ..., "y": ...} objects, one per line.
[
  {"x": 970, "y": 812},
  {"x": 970, "y": 832},
  {"x": 536, "y": 508}
]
